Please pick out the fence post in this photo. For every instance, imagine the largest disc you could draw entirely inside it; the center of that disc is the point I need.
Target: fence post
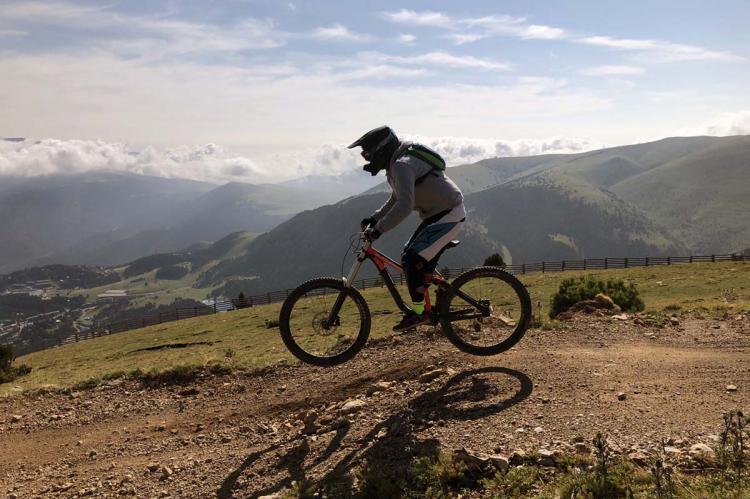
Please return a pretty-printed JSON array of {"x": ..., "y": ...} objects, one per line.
[
  {"x": 214, "y": 306},
  {"x": 562, "y": 267},
  {"x": 713, "y": 258},
  {"x": 646, "y": 261},
  {"x": 76, "y": 336},
  {"x": 606, "y": 263},
  {"x": 584, "y": 264},
  {"x": 542, "y": 267},
  {"x": 626, "y": 262},
  {"x": 691, "y": 258},
  {"x": 523, "y": 268},
  {"x": 143, "y": 322},
  {"x": 268, "y": 295},
  {"x": 669, "y": 260},
  {"x": 159, "y": 317}
]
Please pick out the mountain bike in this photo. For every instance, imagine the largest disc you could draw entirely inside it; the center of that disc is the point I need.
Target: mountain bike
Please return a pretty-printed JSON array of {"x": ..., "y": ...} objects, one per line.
[{"x": 326, "y": 321}]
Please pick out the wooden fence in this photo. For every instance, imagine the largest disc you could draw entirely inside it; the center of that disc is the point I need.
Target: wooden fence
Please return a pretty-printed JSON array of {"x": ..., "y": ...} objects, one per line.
[{"x": 373, "y": 282}]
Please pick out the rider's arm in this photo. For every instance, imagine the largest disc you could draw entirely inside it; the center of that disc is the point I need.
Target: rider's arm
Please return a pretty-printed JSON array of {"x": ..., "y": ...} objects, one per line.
[
  {"x": 383, "y": 210},
  {"x": 403, "y": 192}
]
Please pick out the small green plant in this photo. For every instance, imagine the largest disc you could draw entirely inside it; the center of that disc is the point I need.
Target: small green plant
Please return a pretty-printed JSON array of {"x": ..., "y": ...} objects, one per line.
[
  {"x": 219, "y": 369},
  {"x": 494, "y": 260},
  {"x": 87, "y": 384},
  {"x": 300, "y": 490},
  {"x": 229, "y": 353},
  {"x": 662, "y": 475},
  {"x": 272, "y": 323},
  {"x": 178, "y": 375},
  {"x": 374, "y": 483},
  {"x": 434, "y": 477},
  {"x": 9, "y": 372},
  {"x": 599, "y": 482},
  {"x": 731, "y": 449},
  {"x": 573, "y": 290},
  {"x": 6, "y": 356},
  {"x": 517, "y": 482},
  {"x": 729, "y": 295}
]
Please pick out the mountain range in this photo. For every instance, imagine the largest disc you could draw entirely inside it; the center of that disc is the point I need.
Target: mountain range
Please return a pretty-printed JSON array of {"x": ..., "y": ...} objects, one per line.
[
  {"x": 674, "y": 196},
  {"x": 113, "y": 218}
]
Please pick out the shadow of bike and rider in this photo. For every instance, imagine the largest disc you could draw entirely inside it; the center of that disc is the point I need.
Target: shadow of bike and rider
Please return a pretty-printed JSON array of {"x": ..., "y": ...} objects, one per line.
[{"x": 392, "y": 444}]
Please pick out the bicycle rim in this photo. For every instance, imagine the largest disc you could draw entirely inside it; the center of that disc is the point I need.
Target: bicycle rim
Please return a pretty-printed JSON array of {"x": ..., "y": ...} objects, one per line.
[
  {"x": 307, "y": 330},
  {"x": 507, "y": 307}
]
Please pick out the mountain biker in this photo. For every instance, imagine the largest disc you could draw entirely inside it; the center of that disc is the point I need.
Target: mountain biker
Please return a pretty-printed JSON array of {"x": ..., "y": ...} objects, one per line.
[{"x": 418, "y": 182}]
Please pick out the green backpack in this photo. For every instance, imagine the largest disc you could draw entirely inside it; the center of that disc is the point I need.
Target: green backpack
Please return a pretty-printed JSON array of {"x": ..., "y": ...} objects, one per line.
[{"x": 427, "y": 155}]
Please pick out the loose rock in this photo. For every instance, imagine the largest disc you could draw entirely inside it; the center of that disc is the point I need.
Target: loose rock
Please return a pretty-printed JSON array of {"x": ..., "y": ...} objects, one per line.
[{"x": 352, "y": 406}]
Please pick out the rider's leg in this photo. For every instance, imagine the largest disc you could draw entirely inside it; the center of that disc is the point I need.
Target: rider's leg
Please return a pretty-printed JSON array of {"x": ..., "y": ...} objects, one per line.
[
  {"x": 416, "y": 268},
  {"x": 420, "y": 257}
]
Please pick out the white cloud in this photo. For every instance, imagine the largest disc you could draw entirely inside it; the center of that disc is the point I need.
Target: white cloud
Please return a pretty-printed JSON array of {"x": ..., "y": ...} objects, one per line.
[
  {"x": 513, "y": 26},
  {"x": 380, "y": 72},
  {"x": 149, "y": 38},
  {"x": 488, "y": 26},
  {"x": 613, "y": 71},
  {"x": 724, "y": 124},
  {"x": 262, "y": 106},
  {"x": 467, "y": 30},
  {"x": 463, "y": 150},
  {"x": 462, "y": 38},
  {"x": 338, "y": 32},
  {"x": 425, "y": 18},
  {"x": 407, "y": 39},
  {"x": 440, "y": 59},
  {"x": 661, "y": 51},
  {"x": 210, "y": 163},
  {"x": 53, "y": 156}
]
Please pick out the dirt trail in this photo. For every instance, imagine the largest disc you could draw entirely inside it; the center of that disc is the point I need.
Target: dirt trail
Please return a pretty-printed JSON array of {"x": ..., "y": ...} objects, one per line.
[{"x": 242, "y": 436}]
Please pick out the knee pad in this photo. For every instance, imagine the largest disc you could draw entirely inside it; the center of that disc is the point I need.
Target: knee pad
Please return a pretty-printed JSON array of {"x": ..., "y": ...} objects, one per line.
[{"x": 412, "y": 261}]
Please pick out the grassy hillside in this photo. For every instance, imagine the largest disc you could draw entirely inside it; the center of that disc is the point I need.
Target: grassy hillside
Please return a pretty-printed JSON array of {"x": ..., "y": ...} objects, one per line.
[
  {"x": 552, "y": 216},
  {"x": 703, "y": 196},
  {"x": 314, "y": 243},
  {"x": 242, "y": 340},
  {"x": 141, "y": 277}
]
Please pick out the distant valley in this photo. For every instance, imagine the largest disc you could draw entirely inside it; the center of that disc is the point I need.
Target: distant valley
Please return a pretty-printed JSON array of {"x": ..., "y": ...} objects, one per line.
[{"x": 168, "y": 239}]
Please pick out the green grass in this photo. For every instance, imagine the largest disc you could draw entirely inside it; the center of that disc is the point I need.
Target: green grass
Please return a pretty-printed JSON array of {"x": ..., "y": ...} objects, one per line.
[{"x": 710, "y": 289}]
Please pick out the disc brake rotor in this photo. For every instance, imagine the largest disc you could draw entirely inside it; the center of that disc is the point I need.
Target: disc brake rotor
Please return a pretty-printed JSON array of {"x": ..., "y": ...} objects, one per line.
[{"x": 319, "y": 322}]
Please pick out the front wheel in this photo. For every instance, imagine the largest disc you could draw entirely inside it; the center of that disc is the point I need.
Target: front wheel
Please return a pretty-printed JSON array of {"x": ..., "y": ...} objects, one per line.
[
  {"x": 324, "y": 323},
  {"x": 486, "y": 312}
]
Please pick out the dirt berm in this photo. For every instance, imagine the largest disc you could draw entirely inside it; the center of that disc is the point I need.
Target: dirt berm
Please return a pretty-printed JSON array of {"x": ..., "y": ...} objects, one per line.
[{"x": 243, "y": 435}]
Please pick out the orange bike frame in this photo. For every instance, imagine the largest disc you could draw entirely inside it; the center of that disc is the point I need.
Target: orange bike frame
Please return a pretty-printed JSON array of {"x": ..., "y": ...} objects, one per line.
[{"x": 382, "y": 262}]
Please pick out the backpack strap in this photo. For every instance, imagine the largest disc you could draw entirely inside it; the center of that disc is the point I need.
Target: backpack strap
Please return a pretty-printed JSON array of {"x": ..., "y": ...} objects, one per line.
[{"x": 424, "y": 153}]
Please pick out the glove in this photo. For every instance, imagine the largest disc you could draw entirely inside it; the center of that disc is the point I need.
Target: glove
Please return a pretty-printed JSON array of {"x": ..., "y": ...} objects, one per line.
[
  {"x": 366, "y": 222},
  {"x": 372, "y": 233}
]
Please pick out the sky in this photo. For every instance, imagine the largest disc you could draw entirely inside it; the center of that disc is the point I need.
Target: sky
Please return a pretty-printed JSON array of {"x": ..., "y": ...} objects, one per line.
[{"x": 264, "y": 91}]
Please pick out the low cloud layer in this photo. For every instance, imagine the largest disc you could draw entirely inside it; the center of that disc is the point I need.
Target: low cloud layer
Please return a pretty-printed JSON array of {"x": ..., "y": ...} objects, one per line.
[
  {"x": 212, "y": 163},
  {"x": 52, "y": 156}
]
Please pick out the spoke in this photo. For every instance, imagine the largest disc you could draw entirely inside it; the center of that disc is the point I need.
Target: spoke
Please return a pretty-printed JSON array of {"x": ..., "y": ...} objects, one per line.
[
  {"x": 310, "y": 327},
  {"x": 485, "y": 311}
]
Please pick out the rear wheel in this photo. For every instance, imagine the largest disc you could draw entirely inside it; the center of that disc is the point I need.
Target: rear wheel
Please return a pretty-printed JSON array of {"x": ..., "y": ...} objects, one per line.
[
  {"x": 308, "y": 331},
  {"x": 487, "y": 311}
]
